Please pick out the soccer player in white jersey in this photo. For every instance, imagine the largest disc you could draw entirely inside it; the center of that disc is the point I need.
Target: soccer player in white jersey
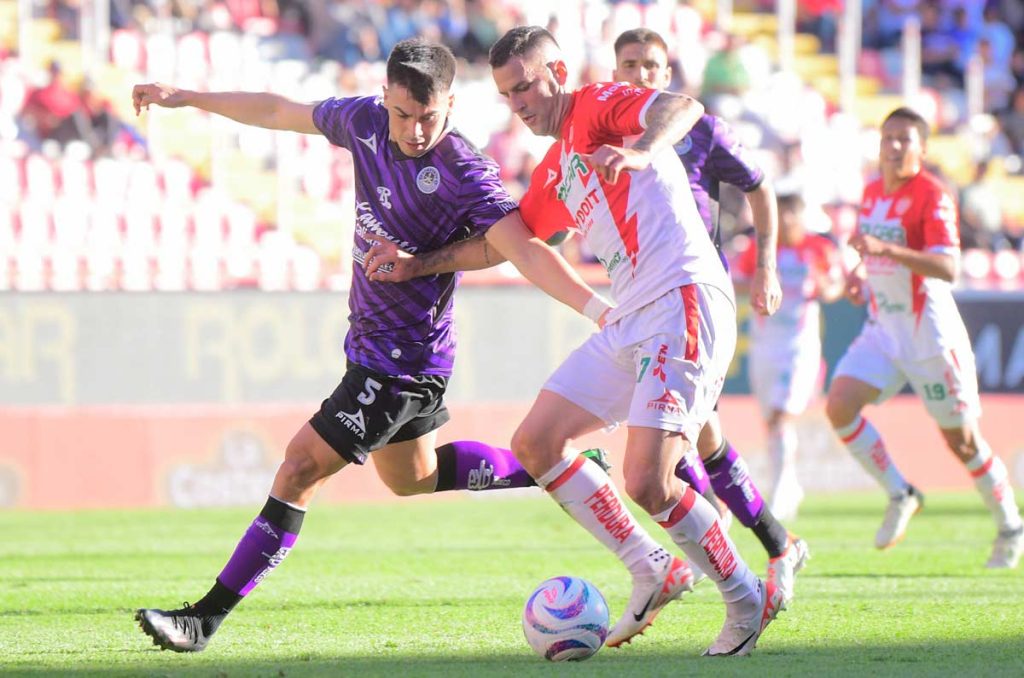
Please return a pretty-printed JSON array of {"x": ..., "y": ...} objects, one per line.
[
  {"x": 785, "y": 348},
  {"x": 660, "y": 360},
  {"x": 910, "y": 247}
]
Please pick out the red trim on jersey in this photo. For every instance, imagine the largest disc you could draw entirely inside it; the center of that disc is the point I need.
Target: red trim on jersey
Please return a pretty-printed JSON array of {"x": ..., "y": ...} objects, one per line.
[
  {"x": 691, "y": 312},
  {"x": 566, "y": 474},
  {"x": 956, "y": 363},
  {"x": 984, "y": 468},
  {"x": 617, "y": 195},
  {"x": 682, "y": 508},
  {"x": 860, "y": 427}
]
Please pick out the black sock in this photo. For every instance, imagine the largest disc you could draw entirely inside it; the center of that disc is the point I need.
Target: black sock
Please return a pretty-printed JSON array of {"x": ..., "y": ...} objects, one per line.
[
  {"x": 771, "y": 533},
  {"x": 445, "y": 468}
]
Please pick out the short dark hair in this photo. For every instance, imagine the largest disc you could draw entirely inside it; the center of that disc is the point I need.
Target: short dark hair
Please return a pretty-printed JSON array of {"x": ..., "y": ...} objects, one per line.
[
  {"x": 640, "y": 36},
  {"x": 424, "y": 68},
  {"x": 915, "y": 118},
  {"x": 517, "y": 42}
]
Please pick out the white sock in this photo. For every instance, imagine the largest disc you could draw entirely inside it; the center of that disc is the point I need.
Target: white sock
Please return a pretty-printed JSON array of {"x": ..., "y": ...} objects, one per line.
[
  {"x": 867, "y": 447},
  {"x": 993, "y": 483},
  {"x": 587, "y": 494},
  {"x": 693, "y": 524},
  {"x": 782, "y": 442}
]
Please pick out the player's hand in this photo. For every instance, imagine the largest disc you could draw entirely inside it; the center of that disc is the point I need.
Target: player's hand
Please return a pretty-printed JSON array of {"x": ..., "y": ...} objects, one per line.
[
  {"x": 854, "y": 290},
  {"x": 765, "y": 292},
  {"x": 869, "y": 245},
  {"x": 157, "y": 93},
  {"x": 610, "y": 161},
  {"x": 384, "y": 262}
]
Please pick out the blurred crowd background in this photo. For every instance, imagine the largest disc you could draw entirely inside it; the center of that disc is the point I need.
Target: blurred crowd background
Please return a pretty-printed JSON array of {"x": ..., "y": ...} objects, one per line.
[{"x": 94, "y": 198}]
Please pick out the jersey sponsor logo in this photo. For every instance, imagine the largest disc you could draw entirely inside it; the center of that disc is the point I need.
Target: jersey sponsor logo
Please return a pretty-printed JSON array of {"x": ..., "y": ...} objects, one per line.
[
  {"x": 575, "y": 168},
  {"x": 582, "y": 217},
  {"x": 354, "y": 422},
  {"x": 610, "y": 91},
  {"x": 370, "y": 142},
  {"x": 384, "y": 196},
  {"x": 428, "y": 180},
  {"x": 366, "y": 220},
  {"x": 883, "y": 305},
  {"x": 612, "y": 263},
  {"x": 659, "y": 367},
  {"x": 609, "y": 511},
  {"x": 721, "y": 556}
]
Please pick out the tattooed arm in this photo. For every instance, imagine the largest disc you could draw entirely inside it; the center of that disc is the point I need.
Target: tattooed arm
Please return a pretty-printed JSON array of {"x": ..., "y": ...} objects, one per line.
[
  {"x": 386, "y": 263},
  {"x": 668, "y": 120}
]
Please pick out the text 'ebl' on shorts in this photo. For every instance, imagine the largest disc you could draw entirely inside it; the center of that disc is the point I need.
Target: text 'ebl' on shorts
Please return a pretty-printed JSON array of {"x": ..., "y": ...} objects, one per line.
[{"x": 369, "y": 410}]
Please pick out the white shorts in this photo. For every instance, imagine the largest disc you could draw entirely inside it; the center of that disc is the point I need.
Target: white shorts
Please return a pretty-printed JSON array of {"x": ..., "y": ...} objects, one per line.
[
  {"x": 662, "y": 366},
  {"x": 948, "y": 383},
  {"x": 785, "y": 380}
]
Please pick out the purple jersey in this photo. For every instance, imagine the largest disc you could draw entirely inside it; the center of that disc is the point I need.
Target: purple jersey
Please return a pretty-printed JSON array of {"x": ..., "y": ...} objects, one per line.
[
  {"x": 420, "y": 204},
  {"x": 712, "y": 154}
]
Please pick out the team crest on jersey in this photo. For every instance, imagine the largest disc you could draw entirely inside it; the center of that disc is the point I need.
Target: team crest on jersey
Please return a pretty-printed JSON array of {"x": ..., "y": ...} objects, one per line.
[
  {"x": 902, "y": 205},
  {"x": 384, "y": 196},
  {"x": 428, "y": 180},
  {"x": 684, "y": 146}
]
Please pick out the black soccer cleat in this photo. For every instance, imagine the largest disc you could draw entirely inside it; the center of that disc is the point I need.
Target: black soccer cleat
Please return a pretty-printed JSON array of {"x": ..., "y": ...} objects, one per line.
[{"x": 184, "y": 630}]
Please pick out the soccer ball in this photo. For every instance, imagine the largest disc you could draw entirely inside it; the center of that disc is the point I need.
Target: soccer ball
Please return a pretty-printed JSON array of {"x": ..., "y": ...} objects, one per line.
[{"x": 565, "y": 618}]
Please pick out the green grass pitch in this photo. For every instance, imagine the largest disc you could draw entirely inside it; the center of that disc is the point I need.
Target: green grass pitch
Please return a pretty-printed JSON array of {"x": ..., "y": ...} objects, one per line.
[{"x": 436, "y": 588}]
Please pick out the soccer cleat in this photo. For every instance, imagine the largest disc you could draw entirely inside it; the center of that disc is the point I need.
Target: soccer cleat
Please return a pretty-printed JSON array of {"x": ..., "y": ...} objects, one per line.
[
  {"x": 184, "y": 630},
  {"x": 1007, "y": 549},
  {"x": 650, "y": 595},
  {"x": 739, "y": 636},
  {"x": 600, "y": 457},
  {"x": 782, "y": 569},
  {"x": 901, "y": 508}
]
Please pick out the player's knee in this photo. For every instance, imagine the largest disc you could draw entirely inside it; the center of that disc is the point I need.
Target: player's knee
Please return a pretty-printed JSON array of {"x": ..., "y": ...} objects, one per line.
[
  {"x": 533, "y": 448},
  {"x": 299, "y": 468},
  {"x": 404, "y": 487},
  {"x": 839, "y": 410}
]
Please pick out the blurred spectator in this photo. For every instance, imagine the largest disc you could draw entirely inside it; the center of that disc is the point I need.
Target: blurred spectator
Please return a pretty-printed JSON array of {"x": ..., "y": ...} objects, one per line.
[
  {"x": 1013, "y": 122},
  {"x": 981, "y": 218},
  {"x": 48, "y": 110},
  {"x": 725, "y": 72},
  {"x": 940, "y": 48},
  {"x": 821, "y": 18},
  {"x": 999, "y": 81}
]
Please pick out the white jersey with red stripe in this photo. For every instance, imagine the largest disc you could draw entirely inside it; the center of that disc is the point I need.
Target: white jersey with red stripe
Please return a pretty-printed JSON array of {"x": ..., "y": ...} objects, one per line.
[
  {"x": 917, "y": 313},
  {"x": 644, "y": 228},
  {"x": 802, "y": 268}
]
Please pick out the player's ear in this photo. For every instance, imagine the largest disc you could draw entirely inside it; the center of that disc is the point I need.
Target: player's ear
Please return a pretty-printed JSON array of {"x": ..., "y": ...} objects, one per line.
[
  {"x": 560, "y": 70},
  {"x": 384, "y": 91},
  {"x": 668, "y": 76}
]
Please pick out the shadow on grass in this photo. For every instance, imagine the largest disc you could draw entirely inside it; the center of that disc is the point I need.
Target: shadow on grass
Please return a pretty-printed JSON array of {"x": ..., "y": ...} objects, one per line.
[{"x": 996, "y": 658}]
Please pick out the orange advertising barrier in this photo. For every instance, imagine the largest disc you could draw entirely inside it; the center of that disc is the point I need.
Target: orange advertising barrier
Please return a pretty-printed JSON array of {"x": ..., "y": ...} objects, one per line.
[{"x": 190, "y": 456}]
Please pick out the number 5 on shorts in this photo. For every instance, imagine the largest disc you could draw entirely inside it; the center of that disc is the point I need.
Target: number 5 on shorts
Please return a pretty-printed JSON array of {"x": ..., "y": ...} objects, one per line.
[{"x": 369, "y": 393}]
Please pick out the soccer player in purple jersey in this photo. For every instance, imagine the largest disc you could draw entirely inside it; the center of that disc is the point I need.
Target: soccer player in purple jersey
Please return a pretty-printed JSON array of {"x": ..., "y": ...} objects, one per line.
[
  {"x": 711, "y": 154},
  {"x": 419, "y": 184}
]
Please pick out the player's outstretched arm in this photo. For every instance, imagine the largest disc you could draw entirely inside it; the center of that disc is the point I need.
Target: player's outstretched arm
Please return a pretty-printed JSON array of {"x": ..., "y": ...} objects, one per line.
[
  {"x": 385, "y": 262},
  {"x": 545, "y": 268},
  {"x": 260, "y": 109},
  {"x": 765, "y": 289}
]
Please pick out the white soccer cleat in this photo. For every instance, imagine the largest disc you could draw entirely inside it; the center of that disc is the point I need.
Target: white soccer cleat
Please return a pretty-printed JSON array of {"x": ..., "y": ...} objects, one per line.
[
  {"x": 740, "y": 634},
  {"x": 1007, "y": 549},
  {"x": 782, "y": 569},
  {"x": 650, "y": 595},
  {"x": 901, "y": 508}
]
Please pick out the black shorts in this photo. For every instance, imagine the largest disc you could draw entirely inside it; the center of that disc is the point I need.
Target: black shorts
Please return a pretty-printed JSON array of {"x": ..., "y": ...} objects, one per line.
[{"x": 369, "y": 410}]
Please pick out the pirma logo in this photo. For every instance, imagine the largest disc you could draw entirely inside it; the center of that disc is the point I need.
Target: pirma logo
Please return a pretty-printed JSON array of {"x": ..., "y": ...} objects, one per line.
[{"x": 353, "y": 422}]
